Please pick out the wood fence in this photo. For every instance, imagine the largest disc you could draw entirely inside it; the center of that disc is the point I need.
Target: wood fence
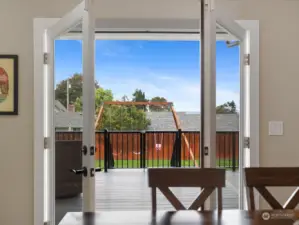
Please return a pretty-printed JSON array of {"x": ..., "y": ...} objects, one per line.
[{"x": 159, "y": 145}]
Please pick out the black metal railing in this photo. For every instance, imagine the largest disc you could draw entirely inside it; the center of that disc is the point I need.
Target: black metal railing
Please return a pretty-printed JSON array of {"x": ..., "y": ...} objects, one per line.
[{"x": 143, "y": 149}]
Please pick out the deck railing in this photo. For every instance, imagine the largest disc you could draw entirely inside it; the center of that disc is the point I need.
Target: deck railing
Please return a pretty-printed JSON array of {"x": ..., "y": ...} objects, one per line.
[{"x": 135, "y": 149}]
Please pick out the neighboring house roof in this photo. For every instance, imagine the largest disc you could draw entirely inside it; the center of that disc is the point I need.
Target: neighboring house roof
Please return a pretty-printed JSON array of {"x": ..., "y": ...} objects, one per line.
[
  {"x": 58, "y": 107},
  {"x": 160, "y": 121},
  {"x": 164, "y": 121},
  {"x": 68, "y": 119}
]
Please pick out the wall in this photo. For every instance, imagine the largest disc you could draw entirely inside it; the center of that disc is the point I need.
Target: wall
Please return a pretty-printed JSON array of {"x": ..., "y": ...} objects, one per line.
[
  {"x": 279, "y": 52},
  {"x": 16, "y": 135}
]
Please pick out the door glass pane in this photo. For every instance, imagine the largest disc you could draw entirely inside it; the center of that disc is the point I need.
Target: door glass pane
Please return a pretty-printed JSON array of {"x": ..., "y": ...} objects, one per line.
[
  {"x": 227, "y": 114},
  {"x": 68, "y": 124}
]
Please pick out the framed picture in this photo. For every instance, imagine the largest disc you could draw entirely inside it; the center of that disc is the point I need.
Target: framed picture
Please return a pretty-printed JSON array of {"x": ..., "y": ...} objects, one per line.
[{"x": 9, "y": 85}]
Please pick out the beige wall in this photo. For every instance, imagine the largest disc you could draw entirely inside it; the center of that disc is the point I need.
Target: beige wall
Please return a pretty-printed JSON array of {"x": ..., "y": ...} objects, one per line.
[{"x": 278, "y": 81}]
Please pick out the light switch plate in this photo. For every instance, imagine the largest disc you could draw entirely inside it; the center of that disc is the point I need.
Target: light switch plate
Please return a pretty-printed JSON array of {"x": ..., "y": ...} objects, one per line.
[{"x": 275, "y": 128}]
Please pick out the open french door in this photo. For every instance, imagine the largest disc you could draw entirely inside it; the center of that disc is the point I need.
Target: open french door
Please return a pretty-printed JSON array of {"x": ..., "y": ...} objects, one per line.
[
  {"x": 243, "y": 31},
  {"x": 248, "y": 114},
  {"x": 82, "y": 14}
]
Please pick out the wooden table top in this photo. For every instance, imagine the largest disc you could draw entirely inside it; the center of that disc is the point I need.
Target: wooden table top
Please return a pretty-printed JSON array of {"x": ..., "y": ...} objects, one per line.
[{"x": 225, "y": 217}]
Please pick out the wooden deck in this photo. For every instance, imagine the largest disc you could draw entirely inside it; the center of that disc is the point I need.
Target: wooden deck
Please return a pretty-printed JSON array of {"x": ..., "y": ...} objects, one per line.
[{"x": 127, "y": 190}]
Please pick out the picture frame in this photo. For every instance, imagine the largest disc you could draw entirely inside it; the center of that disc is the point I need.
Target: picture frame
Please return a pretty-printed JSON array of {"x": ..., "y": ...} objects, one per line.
[{"x": 9, "y": 85}]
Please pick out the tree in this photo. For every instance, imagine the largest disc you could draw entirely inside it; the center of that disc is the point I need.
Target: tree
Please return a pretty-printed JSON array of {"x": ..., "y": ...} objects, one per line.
[
  {"x": 229, "y": 107},
  {"x": 125, "y": 98},
  {"x": 75, "y": 90},
  {"x": 159, "y": 108},
  {"x": 139, "y": 96},
  {"x": 116, "y": 117},
  {"x": 101, "y": 95}
]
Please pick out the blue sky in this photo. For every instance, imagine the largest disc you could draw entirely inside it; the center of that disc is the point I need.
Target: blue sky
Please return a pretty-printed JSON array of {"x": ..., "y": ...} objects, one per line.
[{"x": 160, "y": 68}]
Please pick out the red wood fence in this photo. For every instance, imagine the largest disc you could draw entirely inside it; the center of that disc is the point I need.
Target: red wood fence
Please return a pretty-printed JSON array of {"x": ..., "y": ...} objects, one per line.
[{"x": 159, "y": 145}]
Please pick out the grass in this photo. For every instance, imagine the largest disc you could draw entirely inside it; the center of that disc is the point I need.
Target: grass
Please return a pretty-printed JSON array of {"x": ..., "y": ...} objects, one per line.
[{"x": 223, "y": 163}]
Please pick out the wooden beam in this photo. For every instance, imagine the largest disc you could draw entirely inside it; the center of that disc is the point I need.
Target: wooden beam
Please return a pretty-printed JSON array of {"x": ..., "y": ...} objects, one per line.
[
  {"x": 137, "y": 103},
  {"x": 99, "y": 117},
  {"x": 176, "y": 119},
  {"x": 178, "y": 126}
]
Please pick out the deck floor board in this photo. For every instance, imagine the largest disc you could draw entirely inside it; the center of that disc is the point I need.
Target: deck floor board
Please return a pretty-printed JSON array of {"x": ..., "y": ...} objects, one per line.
[{"x": 127, "y": 190}]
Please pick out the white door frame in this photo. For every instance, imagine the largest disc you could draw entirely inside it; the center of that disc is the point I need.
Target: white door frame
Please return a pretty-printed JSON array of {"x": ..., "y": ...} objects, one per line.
[
  {"x": 41, "y": 24},
  {"x": 248, "y": 33},
  {"x": 250, "y": 96},
  {"x": 45, "y": 33},
  {"x": 208, "y": 91}
]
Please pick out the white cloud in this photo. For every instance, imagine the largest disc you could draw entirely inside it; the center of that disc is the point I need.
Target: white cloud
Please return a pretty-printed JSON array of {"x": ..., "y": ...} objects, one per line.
[{"x": 183, "y": 93}]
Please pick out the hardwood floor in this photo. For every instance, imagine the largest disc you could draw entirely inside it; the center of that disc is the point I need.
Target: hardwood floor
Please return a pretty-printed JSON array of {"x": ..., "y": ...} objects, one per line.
[
  {"x": 127, "y": 190},
  {"x": 224, "y": 217}
]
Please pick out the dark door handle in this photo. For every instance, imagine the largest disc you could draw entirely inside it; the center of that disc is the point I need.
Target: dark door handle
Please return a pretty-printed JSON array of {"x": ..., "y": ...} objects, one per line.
[
  {"x": 80, "y": 171},
  {"x": 84, "y": 171}
]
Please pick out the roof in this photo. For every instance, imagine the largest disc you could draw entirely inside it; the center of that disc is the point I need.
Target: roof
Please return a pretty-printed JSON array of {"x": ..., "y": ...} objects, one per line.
[
  {"x": 164, "y": 121},
  {"x": 160, "y": 121},
  {"x": 68, "y": 119},
  {"x": 59, "y": 107}
]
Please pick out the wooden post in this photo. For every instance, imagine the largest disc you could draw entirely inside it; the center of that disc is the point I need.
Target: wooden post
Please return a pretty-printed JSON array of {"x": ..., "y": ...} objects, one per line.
[
  {"x": 178, "y": 127},
  {"x": 99, "y": 117}
]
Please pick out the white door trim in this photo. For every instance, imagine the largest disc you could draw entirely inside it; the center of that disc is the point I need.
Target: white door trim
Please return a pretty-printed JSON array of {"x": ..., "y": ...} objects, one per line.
[
  {"x": 252, "y": 114},
  {"x": 41, "y": 24},
  {"x": 45, "y": 192},
  {"x": 252, "y": 27}
]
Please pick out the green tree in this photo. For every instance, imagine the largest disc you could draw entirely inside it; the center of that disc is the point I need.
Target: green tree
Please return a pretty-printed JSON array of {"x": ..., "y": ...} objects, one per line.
[
  {"x": 139, "y": 96},
  {"x": 160, "y": 108},
  {"x": 75, "y": 89},
  {"x": 101, "y": 95},
  {"x": 229, "y": 107},
  {"x": 116, "y": 117}
]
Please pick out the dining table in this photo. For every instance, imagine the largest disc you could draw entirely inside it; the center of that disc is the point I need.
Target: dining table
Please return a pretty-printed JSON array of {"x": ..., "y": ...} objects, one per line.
[{"x": 184, "y": 217}]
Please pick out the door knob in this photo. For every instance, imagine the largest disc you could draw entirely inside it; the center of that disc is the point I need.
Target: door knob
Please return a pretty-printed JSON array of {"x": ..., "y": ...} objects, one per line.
[{"x": 83, "y": 171}]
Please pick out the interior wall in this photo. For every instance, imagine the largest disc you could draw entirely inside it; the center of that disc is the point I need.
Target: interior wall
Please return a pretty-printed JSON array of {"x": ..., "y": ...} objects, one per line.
[
  {"x": 279, "y": 32},
  {"x": 278, "y": 81}
]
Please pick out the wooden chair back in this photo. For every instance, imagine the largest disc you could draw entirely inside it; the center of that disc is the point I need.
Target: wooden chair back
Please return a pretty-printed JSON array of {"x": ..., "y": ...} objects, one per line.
[
  {"x": 208, "y": 179},
  {"x": 260, "y": 178}
]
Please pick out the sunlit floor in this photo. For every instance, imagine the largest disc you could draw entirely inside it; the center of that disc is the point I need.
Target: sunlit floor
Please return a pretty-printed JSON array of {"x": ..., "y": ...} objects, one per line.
[{"x": 127, "y": 189}]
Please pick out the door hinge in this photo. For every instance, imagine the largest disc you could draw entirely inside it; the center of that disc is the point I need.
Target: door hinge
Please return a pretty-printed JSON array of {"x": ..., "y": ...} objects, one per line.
[
  {"x": 247, "y": 142},
  {"x": 247, "y": 59},
  {"x": 46, "y": 142},
  {"x": 46, "y": 58},
  {"x": 210, "y": 4},
  {"x": 47, "y": 223}
]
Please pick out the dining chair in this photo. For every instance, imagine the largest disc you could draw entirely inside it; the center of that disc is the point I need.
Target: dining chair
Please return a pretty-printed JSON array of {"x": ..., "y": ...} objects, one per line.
[
  {"x": 208, "y": 179},
  {"x": 262, "y": 177}
]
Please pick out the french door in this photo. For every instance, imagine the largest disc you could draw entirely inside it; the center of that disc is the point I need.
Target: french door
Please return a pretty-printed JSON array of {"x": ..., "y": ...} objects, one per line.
[
  {"x": 81, "y": 16},
  {"x": 248, "y": 114},
  {"x": 243, "y": 32}
]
